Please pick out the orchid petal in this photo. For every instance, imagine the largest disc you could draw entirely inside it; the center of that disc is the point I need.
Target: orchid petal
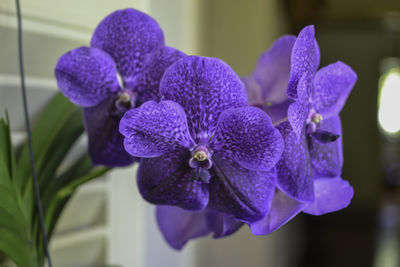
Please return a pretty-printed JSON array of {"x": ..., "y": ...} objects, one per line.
[
  {"x": 327, "y": 159},
  {"x": 298, "y": 111},
  {"x": 87, "y": 76},
  {"x": 154, "y": 129},
  {"x": 132, "y": 38},
  {"x": 332, "y": 86},
  {"x": 283, "y": 209},
  {"x": 331, "y": 194},
  {"x": 245, "y": 194},
  {"x": 305, "y": 58},
  {"x": 106, "y": 144},
  {"x": 295, "y": 176},
  {"x": 178, "y": 226},
  {"x": 273, "y": 70},
  {"x": 247, "y": 136},
  {"x": 147, "y": 85},
  {"x": 222, "y": 224},
  {"x": 167, "y": 180},
  {"x": 204, "y": 87}
]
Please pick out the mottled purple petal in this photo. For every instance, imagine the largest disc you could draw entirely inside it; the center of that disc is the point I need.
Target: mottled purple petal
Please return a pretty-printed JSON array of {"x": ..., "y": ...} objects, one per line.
[
  {"x": 179, "y": 226},
  {"x": 106, "y": 144},
  {"x": 273, "y": 70},
  {"x": 167, "y": 180},
  {"x": 204, "y": 87},
  {"x": 278, "y": 112},
  {"x": 332, "y": 86},
  {"x": 331, "y": 194},
  {"x": 294, "y": 171},
  {"x": 283, "y": 209},
  {"x": 297, "y": 117},
  {"x": 245, "y": 194},
  {"x": 254, "y": 91},
  {"x": 154, "y": 129},
  {"x": 247, "y": 136},
  {"x": 327, "y": 159},
  {"x": 132, "y": 38},
  {"x": 87, "y": 76},
  {"x": 298, "y": 111},
  {"x": 317, "y": 55},
  {"x": 147, "y": 85},
  {"x": 305, "y": 58},
  {"x": 222, "y": 224}
]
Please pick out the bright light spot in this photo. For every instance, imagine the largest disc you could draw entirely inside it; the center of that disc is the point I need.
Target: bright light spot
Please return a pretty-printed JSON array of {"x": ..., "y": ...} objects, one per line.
[{"x": 389, "y": 102}]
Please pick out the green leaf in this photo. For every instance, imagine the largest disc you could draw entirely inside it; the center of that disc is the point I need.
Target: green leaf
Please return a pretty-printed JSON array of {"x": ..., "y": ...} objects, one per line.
[
  {"x": 58, "y": 149},
  {"x": 19, "y": 250},
  {"x": 62, "y": 143},
  {"x": 63, "y": 195},
  {"x": 75, "y": 183},
  {"x": 4, "y": 155},
  {"x": 58, "y": 128},
  {"x": 28, "y": 202},
  {"x": 50, "y": 147},
  {"x": 9, "y": 203},
  {"x": 54, "y": 117},
  {"x": 15, "y": 239},
  {"x": 10, "y": 200},
  {"x": 6, "y": 150},
  {"x": 7, "y": 153},
  {"x": 80, "y": 167},
  {"x": 12, "y": 222}
]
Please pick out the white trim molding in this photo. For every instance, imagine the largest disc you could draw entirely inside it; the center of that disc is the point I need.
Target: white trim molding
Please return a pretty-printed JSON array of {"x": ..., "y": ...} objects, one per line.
[
  {"x": 13, "y": 81},
  {"x": 46, "y": 28},
  {"x": 73, "y": 19}
]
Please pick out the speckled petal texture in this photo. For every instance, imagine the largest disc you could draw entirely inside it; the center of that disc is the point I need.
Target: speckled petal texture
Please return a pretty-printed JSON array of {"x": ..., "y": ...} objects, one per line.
[
  {"x": 132, "y": 38},
  {"x": 87, "y": 76},
  {"x": 273, "y": 70},
  {"x": 297, "y": 117},
  {"x": 327, "y": 159},
  {"x": 179, "y": 226},
  {"x": 147, "y": 84},
  {"x": 332, "y": 85},
  {"x": 283, "y": 209},
  {"x": 204, "y": 87},
  {"x": 222, "y": 224},
  {"x": 298, "y": 112},
  {"x": 167, "y": 180},
  {"x": 247, "y": 136},
  {"x": 106, "y": 144},
  {"x": 246, "y": 194},
  {"x": 154, "y": 129},
  {"x": 294, "y": 171},
  {"x": 331, "y": 194},
  {"x": 305, "y": 58}
]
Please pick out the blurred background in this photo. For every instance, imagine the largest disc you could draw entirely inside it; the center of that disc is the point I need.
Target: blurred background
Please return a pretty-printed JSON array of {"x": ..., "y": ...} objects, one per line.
[{"x": 108, "y": 223}]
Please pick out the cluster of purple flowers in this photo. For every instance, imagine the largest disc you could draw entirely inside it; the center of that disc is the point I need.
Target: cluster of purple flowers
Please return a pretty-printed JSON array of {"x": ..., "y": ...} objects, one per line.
[{"x": 215, "y": 151}]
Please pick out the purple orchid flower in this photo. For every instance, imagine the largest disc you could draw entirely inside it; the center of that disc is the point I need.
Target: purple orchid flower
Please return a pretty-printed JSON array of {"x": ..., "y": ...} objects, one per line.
[
  {"x": 304, "y": 104},
  {"x": 203, "y": 151},
  {"x": 178, "y": 225},
  {"x": 128, "y": 43}
]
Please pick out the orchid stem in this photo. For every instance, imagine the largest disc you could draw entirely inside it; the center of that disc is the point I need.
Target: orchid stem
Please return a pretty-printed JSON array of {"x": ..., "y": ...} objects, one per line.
[{"x": 280, "y": 121}]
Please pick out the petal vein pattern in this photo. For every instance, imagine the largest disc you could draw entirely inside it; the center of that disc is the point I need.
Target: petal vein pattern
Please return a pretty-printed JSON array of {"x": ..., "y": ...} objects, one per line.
[{"x": 154, "y": 129}]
